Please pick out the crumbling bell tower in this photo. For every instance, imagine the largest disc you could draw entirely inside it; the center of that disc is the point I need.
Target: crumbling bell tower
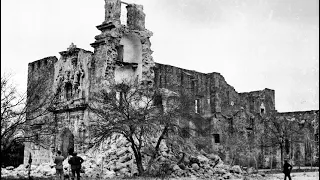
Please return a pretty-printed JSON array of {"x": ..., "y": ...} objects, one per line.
[{"x": 122, "y": 52}]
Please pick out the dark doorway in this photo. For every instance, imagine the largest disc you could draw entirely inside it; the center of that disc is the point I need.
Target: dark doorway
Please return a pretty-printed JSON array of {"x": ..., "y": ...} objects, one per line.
[
  {"x": 67, "y": 142},
  {"x": 13, "y": 155}
]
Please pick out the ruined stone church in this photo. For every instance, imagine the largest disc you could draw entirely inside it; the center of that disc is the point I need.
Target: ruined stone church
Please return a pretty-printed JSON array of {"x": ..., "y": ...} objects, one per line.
[{"x": 123, "y": 52}]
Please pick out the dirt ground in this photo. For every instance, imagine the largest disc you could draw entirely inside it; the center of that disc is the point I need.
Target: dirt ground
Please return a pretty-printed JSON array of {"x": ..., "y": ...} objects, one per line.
[{"x": 295, "y": 176}]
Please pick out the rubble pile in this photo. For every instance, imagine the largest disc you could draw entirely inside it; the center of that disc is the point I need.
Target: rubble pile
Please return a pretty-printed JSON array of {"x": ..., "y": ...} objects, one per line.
[
  {"x": 115, "y": 158},
  {"x": 41, "y": 170}
]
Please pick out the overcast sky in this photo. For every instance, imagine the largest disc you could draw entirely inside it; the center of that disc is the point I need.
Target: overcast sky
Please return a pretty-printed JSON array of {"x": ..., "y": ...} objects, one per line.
[{"x": 254, "y": 44}]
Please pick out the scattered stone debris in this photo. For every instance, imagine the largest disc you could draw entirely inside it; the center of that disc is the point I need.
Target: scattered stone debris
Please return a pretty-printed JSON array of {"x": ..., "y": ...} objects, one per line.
[{"x": 116, "y": 159}]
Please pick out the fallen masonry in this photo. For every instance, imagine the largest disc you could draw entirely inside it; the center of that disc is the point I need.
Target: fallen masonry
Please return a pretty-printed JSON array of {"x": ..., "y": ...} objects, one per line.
[{"x": 115, "y": 159}]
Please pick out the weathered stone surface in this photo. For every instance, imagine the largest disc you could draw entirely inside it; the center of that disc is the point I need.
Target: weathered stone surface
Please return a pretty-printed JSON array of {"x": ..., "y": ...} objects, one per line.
[
  {"x": 112, "y": 11},
  {"x": 236, "y": 169},
  {"x": 124, "y": 52},
  {"x": 195, "y": 166},
  {"x": 176, "y": 168},
  {"x": 135, "y": 17},
  {"x": 227, "y": 176}
]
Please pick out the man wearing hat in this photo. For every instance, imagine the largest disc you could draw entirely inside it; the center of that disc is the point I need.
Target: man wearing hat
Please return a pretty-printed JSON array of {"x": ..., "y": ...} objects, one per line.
[
  {"x": 75, "y": 162},
  {"x": 287, "y": 169}
]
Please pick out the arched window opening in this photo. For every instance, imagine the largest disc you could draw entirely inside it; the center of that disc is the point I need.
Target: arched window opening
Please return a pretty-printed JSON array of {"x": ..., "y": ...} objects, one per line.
[{"x": 68, "y": 88}]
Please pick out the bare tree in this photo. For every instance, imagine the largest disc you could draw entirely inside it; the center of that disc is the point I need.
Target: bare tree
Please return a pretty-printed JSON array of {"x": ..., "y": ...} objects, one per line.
[
  {"x": 21, "y": 118},
  {"x": 136, "y": 112}
]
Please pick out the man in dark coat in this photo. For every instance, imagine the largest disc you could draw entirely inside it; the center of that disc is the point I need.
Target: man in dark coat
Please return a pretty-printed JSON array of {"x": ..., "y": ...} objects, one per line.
[
  {"x": 75, "y": 162},
  {"x": 58, "y": 160},
  {"x": 287, "y": 169}
]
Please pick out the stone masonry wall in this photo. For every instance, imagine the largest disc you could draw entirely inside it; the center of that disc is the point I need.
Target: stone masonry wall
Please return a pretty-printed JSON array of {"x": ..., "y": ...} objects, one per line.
[
  {"x": 215, "y": 94},
  {"x": 124, "y": 53},
  {"x": 307, "y": 148},
  {"x": 39, "y": 91}
]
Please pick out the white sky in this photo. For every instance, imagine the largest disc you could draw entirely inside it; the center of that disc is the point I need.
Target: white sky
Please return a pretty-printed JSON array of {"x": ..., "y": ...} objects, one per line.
[{"x": 254, "y": 44}]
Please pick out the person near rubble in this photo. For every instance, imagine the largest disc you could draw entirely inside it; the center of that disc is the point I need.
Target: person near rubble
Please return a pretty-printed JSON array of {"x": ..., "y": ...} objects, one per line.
[
  {"x": 58, "y": 160},
  {"x": 287, "y": 169},
  {"x": 75, "y": 162}
]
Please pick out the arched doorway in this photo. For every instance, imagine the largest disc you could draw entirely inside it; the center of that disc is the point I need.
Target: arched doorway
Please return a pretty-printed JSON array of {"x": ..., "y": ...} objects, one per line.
[{"x": 67, "y": 143}]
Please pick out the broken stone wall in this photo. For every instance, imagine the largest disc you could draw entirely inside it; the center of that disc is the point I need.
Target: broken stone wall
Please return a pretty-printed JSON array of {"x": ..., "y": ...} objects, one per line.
[
  {"x": 224, "y": 97},
  {"x": 189, "y": 82},
  {"x": 40, "y": 80},
  {"x": 306, "y": 148},
  {"x": 39, "y": 94},
  {"x": 216, "y": 100},
  {"x": 259, "y": 102}
]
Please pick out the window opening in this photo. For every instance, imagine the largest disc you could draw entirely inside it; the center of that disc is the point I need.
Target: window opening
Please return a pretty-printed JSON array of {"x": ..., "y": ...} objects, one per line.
[
  {"x": 120, "y": 53},
  {"x": 68, "y": 91},
  {"x": 197, "y": 106},
  {"x": 216, "y": 138}
]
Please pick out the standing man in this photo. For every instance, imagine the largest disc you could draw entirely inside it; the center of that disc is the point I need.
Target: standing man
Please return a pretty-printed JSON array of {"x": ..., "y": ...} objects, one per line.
[
  {"x": 75, "y": 162},
  {"x": 287, "y": 169},
  {"x": 58, "y": 160}
]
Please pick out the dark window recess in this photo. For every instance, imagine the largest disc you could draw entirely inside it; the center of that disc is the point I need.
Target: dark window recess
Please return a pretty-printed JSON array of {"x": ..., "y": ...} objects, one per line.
[
  {"x": 37, "y": 137},
  {"x": 262, "y": 111},
  {"x": 216, "y": 138},
  {"x": 157, "y": 100},
  {"x": 68, "y": 91},
  {"x": 120, "y": 53},
  {"x": 197, "y": 106},
  {"x": 192, "y": 85}
]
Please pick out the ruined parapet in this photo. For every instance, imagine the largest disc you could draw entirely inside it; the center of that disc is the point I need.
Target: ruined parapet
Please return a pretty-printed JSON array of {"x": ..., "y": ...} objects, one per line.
[
  {"x": 261, "y": 102},
  {"x": 112, "y": 11},
  {"x": 44, "y": 63},
  {"x": 135, "y": 17},
  {"x": 40, "y": 80}
]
